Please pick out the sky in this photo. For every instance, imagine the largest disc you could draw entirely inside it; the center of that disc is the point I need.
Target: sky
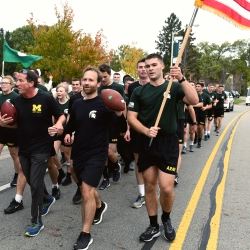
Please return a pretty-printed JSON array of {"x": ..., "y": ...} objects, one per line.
[{"x": 123, "y": 22}]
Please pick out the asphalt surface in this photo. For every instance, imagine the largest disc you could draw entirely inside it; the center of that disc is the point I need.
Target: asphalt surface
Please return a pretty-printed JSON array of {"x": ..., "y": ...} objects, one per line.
[{"x": 122, "y": 225}]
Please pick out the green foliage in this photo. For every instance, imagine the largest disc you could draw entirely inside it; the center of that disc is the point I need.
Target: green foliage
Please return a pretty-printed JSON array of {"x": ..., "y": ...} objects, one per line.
[{"x": 163, "y": 44}]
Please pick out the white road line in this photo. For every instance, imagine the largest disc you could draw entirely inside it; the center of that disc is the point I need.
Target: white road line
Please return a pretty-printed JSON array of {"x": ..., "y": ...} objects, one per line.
[{"x": 4, "y": 187}]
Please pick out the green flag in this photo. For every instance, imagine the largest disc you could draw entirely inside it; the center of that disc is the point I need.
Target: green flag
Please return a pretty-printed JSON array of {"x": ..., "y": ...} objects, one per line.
[{"x": 11, "y": 55}]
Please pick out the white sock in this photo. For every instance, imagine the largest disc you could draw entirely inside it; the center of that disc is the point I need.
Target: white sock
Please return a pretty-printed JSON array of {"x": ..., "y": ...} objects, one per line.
[
  {"x": 208, "y": 132},
  {"x": 67, "y": 164},
  {"x": 141, "y": 189},
  {"x": 18, "y": 198},
  {"x": 191, "y": 143},
  {"x": 185, "y": 144},
  {"x": 55, "y": 185}
]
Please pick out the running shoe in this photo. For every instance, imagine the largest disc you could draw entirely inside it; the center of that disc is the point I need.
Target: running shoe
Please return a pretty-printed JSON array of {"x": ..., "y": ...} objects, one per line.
[
  {"x": 83, "y": 241},
  {"x": 13, "y": 207},
  {"x": 56, "y": 193},
  {"x": 150, "y": 233},
  {"x": 169, "y": 232},
  {"x": 47, "y": 205},
  {"x": 34, "y": 229},
  {"x": 99, "y": 213},
  {"x": 67, "y": 181},
  {"x": 117, "y": 173},
  {"x": 139, "y": 201},
  {"x": 176, "y": 179},
  {"x": 184, "y": 150},
  {"x": 105, "y": 184},
  {"x": 77, "y": 197}
]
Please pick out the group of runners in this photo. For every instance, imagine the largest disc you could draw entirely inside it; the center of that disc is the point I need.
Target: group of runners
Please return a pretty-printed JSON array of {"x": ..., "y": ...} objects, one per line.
[{"x": 90, "y": 136}]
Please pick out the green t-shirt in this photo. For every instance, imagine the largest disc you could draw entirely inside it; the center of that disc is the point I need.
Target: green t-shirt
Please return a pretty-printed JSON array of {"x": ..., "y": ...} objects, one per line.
[
  {"x": 180, "y": 110},
  {"x": 39, "y": 86},
  {"x": 211, "y": 95},
  {"x": 9, "y": 97},
  {"x": 206, "y": 100},
  {"x": 221, "y": 97},
  {"x": 146, "y": 101},
  {"x": 114, "y": 86}
]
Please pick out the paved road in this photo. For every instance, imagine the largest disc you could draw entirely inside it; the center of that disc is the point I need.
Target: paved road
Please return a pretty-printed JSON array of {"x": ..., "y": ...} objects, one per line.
[{"x": 211, "y": 209}]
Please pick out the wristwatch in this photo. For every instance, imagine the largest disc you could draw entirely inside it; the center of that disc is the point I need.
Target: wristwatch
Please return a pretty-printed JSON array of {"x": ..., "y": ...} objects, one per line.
[
  {"x": 183, "y": 79},
  {"x": 195, "y": 123}
]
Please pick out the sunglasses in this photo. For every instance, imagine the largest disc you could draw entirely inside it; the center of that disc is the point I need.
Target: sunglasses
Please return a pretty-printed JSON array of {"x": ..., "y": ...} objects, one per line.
[{"x": 27, "y": 72}]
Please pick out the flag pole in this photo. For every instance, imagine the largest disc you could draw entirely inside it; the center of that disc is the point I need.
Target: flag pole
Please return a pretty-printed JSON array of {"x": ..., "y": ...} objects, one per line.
[
  {"x": 3, "y": 54},
  {"x": 2, "y": 68},
  {"x": 177, "y": 63}
]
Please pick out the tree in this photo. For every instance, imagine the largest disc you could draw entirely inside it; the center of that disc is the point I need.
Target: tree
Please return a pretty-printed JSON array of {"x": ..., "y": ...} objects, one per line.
[
  {"x": 163, "y": 45},
  {"x": 115, "y": 63},
  {"x": 66, "y": 52},
  {"x": 129, "y": 55}
]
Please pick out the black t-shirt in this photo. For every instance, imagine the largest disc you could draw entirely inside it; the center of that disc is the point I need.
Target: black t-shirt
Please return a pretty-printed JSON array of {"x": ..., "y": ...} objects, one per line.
[
  {"x": 72, "y": 99},
  {"x": 34, "y": 118},
  {"x": 90, "y": 120},
  {"x": 131, "y": 88}
]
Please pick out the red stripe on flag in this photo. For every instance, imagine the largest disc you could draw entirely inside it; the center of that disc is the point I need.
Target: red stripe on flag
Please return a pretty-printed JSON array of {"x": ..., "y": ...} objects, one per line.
[
  {"x": 228, "y": 11},
  {"x": 244, "y": 4}
]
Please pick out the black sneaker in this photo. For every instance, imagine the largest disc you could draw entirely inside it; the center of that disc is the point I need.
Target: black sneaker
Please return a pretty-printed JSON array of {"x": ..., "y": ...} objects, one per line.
[
  {"x": 83, "y": 241},
  {"x": 56, "y": 193},
  {"x": 60, "y": 177},
  {"x": 150, "y": 233},
  {"x": 199, "y": 145},
  {"x": 126, "y": 168},
  {"x": 67, "y": 181},
  {"x": 215, "y": 128},
  {"x": 77, "y": 197},
  {"x": 169, "y": 232},
  {"x": 99, "y": 213},
  {"x": 14, "y": 181},
  {"x": 117, "y": 173},
  {"x": 13, "y": 207}
]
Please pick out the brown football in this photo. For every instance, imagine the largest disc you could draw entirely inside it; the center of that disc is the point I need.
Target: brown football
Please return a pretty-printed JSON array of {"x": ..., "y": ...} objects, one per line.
[
  {"x": 113, "y": 100},
  {"x": 10, "y": 110}
]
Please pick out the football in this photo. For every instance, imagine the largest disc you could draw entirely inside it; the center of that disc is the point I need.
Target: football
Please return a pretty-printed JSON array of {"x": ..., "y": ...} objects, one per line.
[
  {"x": 113, "y": 100},
  {"x": 10, "y": 110}
]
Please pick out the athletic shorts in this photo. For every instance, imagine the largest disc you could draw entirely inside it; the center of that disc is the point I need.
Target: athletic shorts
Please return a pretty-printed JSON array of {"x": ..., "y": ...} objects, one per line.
[
  {"x": 162, "y": 153},
  {"x": 134, "y": 135},
  {"x": 52, "y": 152},
  {"x": 201, "y": 118},
  {"x": 90, "y": 169},
  {"x": 61, "y": 139},
  {"x": 9, "y": 137},
  {"x": 189, "y": 119},
  {"x": 219, "y": 112},
  {"x": 113, "y": 134},
  {"x": 210, "y": 112},
  {"x": 180, "y": 130}
]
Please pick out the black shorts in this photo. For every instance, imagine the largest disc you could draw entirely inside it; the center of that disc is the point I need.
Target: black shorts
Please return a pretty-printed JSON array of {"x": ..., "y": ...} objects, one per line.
[
  {"x": 9, "y": 137},
  {"x": 90, "y": 169},
  {"x": 201, "y": 118},
  {"x": 134, "y": 135},
  {"x": 52, "y": 152},
  {"x": 61, "y": 139},
  {"x": 210, "y": 112},
  {"x": 219, "y": 112},
  {"x": 180, "y": 130},
  {"x": 163, "y": 153},
  {"x": 113, "y": 134}
]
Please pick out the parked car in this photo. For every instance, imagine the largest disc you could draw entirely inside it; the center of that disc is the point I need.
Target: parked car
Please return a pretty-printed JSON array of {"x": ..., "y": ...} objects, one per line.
[
  {"x": 248, "y": 97},
  {"x": 235, "y": 94},
  {"x": 230, "y": 104}
]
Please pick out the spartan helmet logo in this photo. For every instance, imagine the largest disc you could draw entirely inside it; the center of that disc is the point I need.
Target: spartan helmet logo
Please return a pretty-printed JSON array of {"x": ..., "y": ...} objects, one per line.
[{"x": 92, "y": 114}]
